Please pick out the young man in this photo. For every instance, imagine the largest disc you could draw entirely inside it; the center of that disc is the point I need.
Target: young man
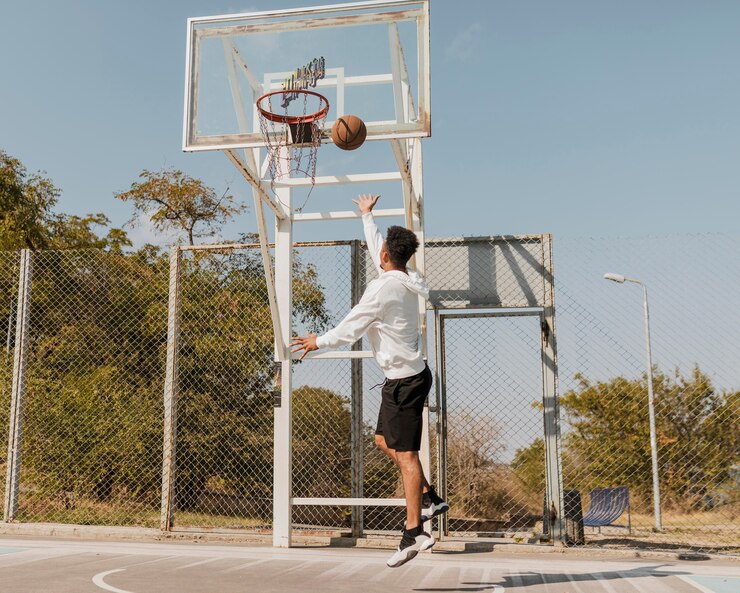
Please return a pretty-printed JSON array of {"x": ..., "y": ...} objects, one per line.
[{"x": 389, "y": 313}]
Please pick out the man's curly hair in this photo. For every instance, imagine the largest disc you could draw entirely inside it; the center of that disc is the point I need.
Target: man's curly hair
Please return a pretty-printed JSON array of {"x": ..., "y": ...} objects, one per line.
[{"x": 401, "y": 244}]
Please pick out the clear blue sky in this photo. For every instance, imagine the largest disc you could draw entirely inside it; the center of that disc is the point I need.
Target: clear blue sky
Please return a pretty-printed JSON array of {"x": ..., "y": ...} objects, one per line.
[{"x": 572, "y": 117}]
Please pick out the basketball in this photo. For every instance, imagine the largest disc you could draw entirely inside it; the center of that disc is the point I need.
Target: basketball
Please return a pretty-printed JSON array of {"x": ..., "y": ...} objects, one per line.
[{"x": 348, "y": 132}]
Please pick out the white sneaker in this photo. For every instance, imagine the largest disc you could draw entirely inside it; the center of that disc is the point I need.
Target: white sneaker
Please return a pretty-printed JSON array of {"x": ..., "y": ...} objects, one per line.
[
  {"x": 432, "y": 506},
  {"x": 409, "y": 547}
]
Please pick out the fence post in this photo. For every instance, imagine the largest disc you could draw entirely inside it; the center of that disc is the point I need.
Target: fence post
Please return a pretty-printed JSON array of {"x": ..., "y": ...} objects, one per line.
[
  {"x": 15, "y": 424},
  {"x": 166, "y": 520},
  {"x": 440, "y": 383},
  {"x": 553, "y": 466},
  {"x": 356, "y": 446}
]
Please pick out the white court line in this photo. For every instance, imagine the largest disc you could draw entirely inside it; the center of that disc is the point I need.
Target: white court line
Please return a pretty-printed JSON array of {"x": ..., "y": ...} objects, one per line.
[
  {"x": 474, "y": 575},
  {"x": 516, "y": 579},
  {"x": 488, "y": 577},
  {"x": 143, "y": 562},
  {"x": 573, "y": 581},
  {"x": 432, "y": 577},
  {"x": 603, "y": 580},
  {"x": 99, "y": 582},
  {"x": 647, "y": 583},
  {"x": 694, "y": 584},
  {"x": 344, "y": 570},
  {"x": 192, "y": 564},
  {"x": 247, "y": 565},
  {"x": 295, "y": 568}
]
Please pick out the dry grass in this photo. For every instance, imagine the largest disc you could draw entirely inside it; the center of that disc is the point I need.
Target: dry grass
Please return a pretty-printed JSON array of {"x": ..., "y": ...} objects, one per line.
[{"x": 707, "y": 531}]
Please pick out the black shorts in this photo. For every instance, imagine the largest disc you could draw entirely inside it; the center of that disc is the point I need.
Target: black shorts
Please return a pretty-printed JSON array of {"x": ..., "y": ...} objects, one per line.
[{"x": 400, "y": 417}]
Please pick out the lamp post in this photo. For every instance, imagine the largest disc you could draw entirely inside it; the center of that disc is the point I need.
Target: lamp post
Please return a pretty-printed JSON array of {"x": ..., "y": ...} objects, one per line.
[{"x": 651, "y": 402}]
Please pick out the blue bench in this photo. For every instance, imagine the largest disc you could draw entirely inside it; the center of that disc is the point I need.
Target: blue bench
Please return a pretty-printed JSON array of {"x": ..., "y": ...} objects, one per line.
[{"x": 606, "y": 506}]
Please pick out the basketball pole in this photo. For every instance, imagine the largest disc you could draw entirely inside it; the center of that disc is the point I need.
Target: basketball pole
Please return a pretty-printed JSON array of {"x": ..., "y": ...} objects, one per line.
[{"x": 283, "y": 412}]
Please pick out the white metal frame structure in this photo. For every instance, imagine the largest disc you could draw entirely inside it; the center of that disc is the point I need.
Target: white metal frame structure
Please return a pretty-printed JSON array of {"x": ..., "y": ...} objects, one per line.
[
  {"x": 519, "y": 282},
  {"x": 245, "y": 152}
]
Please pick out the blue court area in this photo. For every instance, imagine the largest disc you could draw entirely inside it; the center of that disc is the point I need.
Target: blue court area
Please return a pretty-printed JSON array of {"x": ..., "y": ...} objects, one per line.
[
  {"x": 717, "y": 584},
  {"x": 10, "y": 550}
]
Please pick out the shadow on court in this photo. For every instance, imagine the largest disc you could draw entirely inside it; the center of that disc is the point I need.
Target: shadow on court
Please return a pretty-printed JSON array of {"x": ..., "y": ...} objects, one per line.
[{"x": 531, "y": 579}]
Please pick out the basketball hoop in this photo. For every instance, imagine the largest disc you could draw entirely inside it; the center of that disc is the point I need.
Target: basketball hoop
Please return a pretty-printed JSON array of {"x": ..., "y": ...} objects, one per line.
[{"x": 292, "y": 122}]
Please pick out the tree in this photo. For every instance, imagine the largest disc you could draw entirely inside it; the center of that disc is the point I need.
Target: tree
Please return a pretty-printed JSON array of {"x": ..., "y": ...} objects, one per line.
[
  {"x": 610, "y": 444},
  {"x": 77, "y": 232},
  {"x": 176, "y": 201},
  {"x": 321, "y": 446},
  {"x": 26, "y": 203},
  {"x": 28, "y": 220},
  {"x": 93, "y": 416},
  {"x": 529, "y": 466}
]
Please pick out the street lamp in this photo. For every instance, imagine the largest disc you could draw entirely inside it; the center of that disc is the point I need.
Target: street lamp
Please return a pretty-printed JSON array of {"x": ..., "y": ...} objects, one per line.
[{"x": 619, "y": 278}]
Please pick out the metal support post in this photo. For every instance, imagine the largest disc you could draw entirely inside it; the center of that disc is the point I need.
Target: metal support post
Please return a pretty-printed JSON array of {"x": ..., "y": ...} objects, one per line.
[
  {"x": 551, "y": 409},
  {"x": 356, "y": 446},
  {"x": 651, "y": 414},
  {"x": 440, "y": 381},
  {"x": 166, "y": 520},
  {"x": 283, "y": 414},
  {"x": 18, "y": 389},
  {"x": 620, "y": 279}
]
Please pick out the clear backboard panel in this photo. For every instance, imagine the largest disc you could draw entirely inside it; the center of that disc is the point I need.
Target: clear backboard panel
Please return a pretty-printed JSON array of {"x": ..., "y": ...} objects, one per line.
[{"x": 369, "y": 59}]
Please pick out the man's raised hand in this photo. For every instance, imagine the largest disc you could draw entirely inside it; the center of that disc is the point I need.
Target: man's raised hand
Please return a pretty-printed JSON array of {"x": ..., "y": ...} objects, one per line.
[
  {"x": 366, "y": 202},
  {"x": 306, "y": 344}
]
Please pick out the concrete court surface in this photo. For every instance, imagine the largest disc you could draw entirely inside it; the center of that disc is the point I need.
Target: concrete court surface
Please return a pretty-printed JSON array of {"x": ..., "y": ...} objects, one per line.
[{"x": 64, "y": 566}]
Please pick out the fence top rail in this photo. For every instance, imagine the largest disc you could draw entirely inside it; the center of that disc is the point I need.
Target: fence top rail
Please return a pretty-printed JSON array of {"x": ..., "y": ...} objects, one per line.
[{"x": 428, "y": 242}]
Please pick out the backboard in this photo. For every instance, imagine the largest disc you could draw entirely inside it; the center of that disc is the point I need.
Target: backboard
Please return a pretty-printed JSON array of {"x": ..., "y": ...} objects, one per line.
[{"x": 370, "y": 59}]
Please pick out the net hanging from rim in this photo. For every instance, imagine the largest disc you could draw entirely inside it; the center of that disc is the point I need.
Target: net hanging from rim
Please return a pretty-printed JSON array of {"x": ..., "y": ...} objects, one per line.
[{"x": 292, "y": 122}]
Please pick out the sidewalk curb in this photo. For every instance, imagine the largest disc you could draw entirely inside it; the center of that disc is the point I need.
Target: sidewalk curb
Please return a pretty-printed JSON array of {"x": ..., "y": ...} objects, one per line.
[{"x": 96, "y": 532}]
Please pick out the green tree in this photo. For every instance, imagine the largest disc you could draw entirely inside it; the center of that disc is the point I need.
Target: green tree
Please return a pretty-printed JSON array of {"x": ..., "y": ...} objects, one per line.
[
  {"x": 227, "y": 373},
  {"x": 610, "y": 444},
  {"x": 93, "y": 415},
  {"x": 321, "y": 446},
  {"x": 79, "y": 232},
  {"x": 529, "y": 466},
  {"x": 175, "y": 201},
  {"x": 26, "y": 203}
]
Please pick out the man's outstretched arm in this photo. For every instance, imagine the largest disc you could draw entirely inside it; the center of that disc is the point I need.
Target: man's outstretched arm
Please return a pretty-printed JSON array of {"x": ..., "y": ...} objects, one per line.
[
  {"x": 349, "y": 330},
  {"x": 373, "y": 238}
]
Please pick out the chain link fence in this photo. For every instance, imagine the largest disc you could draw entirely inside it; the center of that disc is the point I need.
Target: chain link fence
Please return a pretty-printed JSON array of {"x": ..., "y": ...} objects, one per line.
[
  {"x": 494, "y": 411},
  {"x": 223, "y": 476},
  {"x": 90, "y": 422},
  {"x": 93, "y": 413},
  {"x": 693, "y": 287}
]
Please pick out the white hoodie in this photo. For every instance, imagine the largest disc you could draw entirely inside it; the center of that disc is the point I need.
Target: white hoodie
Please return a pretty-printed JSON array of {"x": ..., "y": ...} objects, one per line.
[{"x": 388, "y": 312}]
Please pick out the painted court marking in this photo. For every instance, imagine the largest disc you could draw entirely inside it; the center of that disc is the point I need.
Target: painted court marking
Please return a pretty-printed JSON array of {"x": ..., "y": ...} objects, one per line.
[
  {"x": 11, "y": 550},
  {"x": 99, "y": 582},
  {"x": 335, "y": 565},
  {"x": 709, "y": 584}
]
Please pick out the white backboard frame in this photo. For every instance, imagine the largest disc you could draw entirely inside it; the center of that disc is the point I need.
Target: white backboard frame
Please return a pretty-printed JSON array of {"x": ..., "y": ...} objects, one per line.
[{"x": 417, "y": 125}]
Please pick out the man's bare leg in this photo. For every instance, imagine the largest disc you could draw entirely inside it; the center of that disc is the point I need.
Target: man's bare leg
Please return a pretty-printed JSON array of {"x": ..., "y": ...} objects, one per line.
[
  {"x": 380, "y": 442},
  {"x": 413, "y": 478}
]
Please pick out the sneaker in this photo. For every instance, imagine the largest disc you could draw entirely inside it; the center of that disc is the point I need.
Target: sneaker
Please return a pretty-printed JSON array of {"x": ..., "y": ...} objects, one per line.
[
  {"x": 432, "y": 505},
  {"x": 427, "y": 543},
  {"x": 412, "y": 542}
]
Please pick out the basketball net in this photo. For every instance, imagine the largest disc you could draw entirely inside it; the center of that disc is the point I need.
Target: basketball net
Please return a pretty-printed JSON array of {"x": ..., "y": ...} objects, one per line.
[{"x": 292, "y": 123}]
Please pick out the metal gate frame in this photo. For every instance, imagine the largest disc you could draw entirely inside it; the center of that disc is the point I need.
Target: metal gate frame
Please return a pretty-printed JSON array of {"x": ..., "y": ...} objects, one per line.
[{"x": 550, "y": 416}]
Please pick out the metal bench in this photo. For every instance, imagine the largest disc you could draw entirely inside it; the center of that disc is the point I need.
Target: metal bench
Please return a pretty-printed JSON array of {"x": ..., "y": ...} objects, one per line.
[{"x": 606, "y": 506}]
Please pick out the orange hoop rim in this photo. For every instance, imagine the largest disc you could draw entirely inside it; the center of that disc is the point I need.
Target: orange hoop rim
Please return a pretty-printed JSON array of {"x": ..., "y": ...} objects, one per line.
[{"x": 293, "y": 119}]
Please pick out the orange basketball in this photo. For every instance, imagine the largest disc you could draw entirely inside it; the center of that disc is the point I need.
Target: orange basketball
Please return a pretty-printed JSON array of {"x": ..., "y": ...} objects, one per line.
[{"x": 348, "y": 132}]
